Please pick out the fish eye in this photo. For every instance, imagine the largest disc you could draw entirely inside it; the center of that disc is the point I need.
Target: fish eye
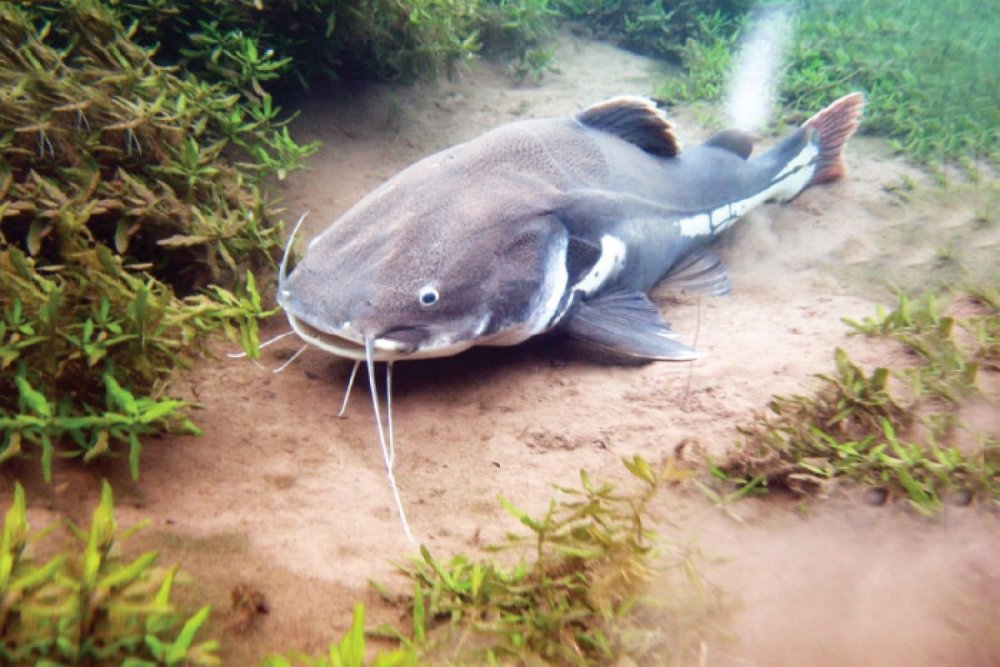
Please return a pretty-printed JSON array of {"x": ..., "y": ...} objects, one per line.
[{"x": 428, "y": 295}]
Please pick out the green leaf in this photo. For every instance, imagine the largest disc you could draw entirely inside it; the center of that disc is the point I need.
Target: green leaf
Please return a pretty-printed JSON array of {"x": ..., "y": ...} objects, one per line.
[
  {"x": 101, "y": 446},
  {"x": 120, "y": 397},
  {"x": 34, "y": 238},
  {"x": 48, "y": 453},
  {"x": 138, "y": 662},
  {"x": 34, "y": 400},
  {"x": 639, "y": 467},
  {"x": 129, "y": 573},
  {"x": 352, "y": 646},
  {"x": 134, "y": 450},
  {"x": 177, "y": 651},
  {"x": 156, "y": 646},
  {"x": 520, "y": 515},
  {"x": 160, "y": 409},
  {"x": 39, "y": 576},
  {"x": 251, "y": 288},
  {"x": 122, "y": 235},
  {"x": 419, "y": 613},
  {"x": 445, "y": 577}
]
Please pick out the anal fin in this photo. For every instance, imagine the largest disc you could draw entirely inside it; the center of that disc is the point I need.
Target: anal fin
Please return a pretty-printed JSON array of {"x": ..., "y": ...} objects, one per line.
[{"x": 626, "y": 322}]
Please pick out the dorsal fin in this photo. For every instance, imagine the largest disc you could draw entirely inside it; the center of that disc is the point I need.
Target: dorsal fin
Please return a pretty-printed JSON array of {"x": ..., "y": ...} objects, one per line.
[
  {"x": 734, "y": 141},
  {"x": 637, "y": 120}
]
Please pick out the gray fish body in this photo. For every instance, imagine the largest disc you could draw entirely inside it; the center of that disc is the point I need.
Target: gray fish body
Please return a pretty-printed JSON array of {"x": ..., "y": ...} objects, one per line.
[{"x": 541, "y": 225}]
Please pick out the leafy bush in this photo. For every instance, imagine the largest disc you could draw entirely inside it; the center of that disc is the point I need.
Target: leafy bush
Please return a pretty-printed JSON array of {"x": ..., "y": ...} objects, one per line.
[
  {"x": 707, "y": 55},
  {"x": 117, "y": 192},
  {"x": 248, "y": 42},
  {"x": 653, "y": 27}
]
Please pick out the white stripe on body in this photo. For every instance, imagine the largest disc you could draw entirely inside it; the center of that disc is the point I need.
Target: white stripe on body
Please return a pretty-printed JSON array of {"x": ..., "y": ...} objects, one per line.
[
  {"x": 790, "y": 181},
  {"x": 608, "y": 265}
]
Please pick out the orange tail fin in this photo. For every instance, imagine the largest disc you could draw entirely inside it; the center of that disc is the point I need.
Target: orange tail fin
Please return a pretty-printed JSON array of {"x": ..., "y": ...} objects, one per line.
[{"x": 835, "y": 125}]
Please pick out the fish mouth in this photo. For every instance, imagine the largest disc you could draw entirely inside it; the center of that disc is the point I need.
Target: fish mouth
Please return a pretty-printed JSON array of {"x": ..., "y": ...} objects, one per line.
[
  {"x": 413, "y": 342},
  {"x": 389, "y": 346}
]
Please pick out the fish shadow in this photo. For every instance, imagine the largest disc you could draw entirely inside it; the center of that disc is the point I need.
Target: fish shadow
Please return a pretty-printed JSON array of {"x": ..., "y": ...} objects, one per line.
[
  {"x": 485, "y": 365},
  {"x": 474, "y": 367}
]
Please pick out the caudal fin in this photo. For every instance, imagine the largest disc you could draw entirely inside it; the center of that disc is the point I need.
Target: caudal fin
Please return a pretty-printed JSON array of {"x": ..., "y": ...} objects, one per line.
[{"x": 834, "y": 125}]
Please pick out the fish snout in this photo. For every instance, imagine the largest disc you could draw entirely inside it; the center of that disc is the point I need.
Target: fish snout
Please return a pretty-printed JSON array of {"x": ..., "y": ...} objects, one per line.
[{"x": 344, "y": 333}]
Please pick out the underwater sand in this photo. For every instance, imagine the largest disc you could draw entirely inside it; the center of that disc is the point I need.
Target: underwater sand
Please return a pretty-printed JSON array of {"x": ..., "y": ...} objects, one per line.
[{"x": 282, "y": 496}]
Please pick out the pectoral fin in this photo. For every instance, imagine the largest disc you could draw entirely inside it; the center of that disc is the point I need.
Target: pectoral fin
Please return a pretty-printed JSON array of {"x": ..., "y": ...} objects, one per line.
[{"x": 628, "y": 323}]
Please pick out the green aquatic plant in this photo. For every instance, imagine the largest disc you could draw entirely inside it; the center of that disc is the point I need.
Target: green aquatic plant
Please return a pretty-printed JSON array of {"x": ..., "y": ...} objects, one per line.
[
  {"x": 591, "y": 553},
  {"x": 350, "y": 651},
  {"x": 986, "y": 329},
  {"x": 927, "y": 69},
  {"x": 707, "y": 56},
  {"x": 945, "y": 372},
  {"x": 312, "y": 42},
  {"x": 593, "y": 586},
  {"x": 77, "y": 347},
  {"x": 577, "y": 596},
  {"x": 897, "y": 438},
  {"x": 125, "y": 190},
  {"x": 534, "y": 63},
  {"x": 516, "y": 26},
  {"x": 520, "y": 27},
  {"x": 438, "y": 36},
  {"x": 654, "y": 27},
  {"x": 89, "y": 605},
  {"x": 231, "y": 56}
]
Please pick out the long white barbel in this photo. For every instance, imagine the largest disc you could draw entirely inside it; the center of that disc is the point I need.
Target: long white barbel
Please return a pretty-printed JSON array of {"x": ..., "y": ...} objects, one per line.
[{"x": 387, "y": 448}]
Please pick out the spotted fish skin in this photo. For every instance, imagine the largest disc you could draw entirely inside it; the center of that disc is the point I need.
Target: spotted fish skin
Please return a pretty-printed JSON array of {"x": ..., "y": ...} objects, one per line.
[{"x": 547, "y": 225}]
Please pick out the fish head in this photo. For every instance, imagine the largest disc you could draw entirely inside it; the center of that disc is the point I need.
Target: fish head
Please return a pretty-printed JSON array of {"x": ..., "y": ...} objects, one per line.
[{"x": 419, "y": 278}]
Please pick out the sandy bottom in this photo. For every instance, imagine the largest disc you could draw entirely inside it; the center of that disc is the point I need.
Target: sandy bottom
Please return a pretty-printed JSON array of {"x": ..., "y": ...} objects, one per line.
[{"x": 284, "y": 497}]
